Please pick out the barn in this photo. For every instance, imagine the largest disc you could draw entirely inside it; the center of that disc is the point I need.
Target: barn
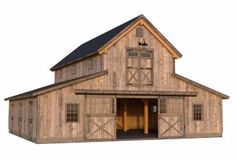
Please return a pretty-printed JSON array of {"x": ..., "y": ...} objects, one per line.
[{"x": 121, "y": 85}]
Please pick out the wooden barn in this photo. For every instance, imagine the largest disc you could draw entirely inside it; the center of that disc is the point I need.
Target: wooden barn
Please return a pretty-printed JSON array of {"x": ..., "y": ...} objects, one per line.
[{"x": 119, "y": 85}]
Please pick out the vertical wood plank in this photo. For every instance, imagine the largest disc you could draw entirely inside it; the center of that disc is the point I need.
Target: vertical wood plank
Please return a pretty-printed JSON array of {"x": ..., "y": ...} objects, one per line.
[
  {"x": 145, "y": 116},
  {"x": 125, "y": 116}
]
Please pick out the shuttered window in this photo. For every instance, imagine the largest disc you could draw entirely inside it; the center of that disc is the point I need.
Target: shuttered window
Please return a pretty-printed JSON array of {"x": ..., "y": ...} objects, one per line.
[
  {"x": 72, "y": 112},
  {"x": 139, "y": 67},
  {"x": 139, "y": 32},
  {"x": 163, "y": 108},
  {"x": 197, "y": 112}
]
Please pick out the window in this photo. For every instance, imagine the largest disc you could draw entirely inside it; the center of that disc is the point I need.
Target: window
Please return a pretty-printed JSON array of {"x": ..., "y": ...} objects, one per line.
[
  {"x": 30, "y": 121},
  {"x": 146, "y": 55},
  {"x": 90, "y": 64},
  {"x": 139, "y": 32},
  {"x": 154, "y": 108},
  {"x": 72, "y": 112},
  {"x": 132, "y": 54},
  {"x": 60, "y": 74},
  {"x": 73, "y": 69},
  {"x": 163, "y": 108},
  {"x": 139, "y": 67},
  {"x": 12, "y": 112},
  {"x": 30, "y": 102},
  {"x": 20, "y": 113},
  {"x": 197, "y": 112}
]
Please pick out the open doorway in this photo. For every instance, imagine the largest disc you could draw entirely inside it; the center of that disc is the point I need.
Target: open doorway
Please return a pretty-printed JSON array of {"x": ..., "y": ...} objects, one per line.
[{"x": 130, "y": 118}]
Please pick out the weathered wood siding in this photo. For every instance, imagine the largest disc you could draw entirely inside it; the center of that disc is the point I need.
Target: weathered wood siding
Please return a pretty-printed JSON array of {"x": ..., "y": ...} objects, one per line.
[
  {"x": 171, "y": 123},
  {"x": 96, "y": 118},
  {"x": 85, "y": 67},
  {"x": 163, "y": 67},
  {"x": 115, "y": 62},
  {"x": 100, "y": 118},
  {"x": 52, "y": 112},
  {"x": 22, "y": 118}
]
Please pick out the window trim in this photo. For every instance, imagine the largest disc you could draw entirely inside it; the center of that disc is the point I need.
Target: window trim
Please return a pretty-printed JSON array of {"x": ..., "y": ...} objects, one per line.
[
  {"x": 139, "y": 32},
  {"x": 90, "y": 64},
  {"x": 199, "y": 117},
  {"x": 60, "y": 74},
  {"x": 163, "y": 101},
  {"x": 73, "y": 69},
  {"x": 140, "y": 51},
  {"x": 72, "y": 118}
]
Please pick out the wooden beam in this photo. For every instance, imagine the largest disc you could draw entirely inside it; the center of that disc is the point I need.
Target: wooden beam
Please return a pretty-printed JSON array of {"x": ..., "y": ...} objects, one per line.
[
  {"x": 145, "y": 116},
  {"x": 133, "y": 93},
  {"x": 125, "y": 124}
]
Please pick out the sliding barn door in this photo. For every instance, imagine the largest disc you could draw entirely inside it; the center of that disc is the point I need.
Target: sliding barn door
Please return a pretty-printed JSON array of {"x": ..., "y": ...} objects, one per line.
[
  {"x": 100, "y": 118},
  {"x": 170, "y": 118}
]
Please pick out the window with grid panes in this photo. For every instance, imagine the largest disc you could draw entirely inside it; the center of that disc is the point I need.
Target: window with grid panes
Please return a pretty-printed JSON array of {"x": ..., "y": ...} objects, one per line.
[
  {"x": 72, "y": 112},
  {"x": 197, "y": 112},
  {"x": 163, "y": 108},
  {"x": 139, "y": 67}
]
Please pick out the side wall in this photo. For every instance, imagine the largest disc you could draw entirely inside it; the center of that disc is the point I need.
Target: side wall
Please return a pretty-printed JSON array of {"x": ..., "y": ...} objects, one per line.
[
  {"x": 85, "y": 67},
  {"x": 52, "y": 112},
  {"x": 22, "y": 118},
  {"x": 212, "y": 123}
]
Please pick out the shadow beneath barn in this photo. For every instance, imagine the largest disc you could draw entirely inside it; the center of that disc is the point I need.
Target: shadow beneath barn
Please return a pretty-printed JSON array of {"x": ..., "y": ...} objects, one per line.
[{"x": 135, "y": 134}]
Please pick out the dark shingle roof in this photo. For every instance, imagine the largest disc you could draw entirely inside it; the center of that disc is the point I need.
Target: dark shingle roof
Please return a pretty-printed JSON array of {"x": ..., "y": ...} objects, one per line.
[{"x": 92, "y": 46}]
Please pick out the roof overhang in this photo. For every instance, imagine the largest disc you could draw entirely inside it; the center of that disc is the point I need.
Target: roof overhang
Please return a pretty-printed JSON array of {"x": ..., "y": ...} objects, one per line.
[
  {"x": 53, "y": 87},
  {"x": 196, "y": 84},
  {"x": 132, "y": 94}
]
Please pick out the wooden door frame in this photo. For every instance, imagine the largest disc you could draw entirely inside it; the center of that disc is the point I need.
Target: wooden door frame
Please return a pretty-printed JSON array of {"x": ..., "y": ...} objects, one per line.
[
  {"x": 86, "y": 116},
  {"x": 182, "y": 116}
]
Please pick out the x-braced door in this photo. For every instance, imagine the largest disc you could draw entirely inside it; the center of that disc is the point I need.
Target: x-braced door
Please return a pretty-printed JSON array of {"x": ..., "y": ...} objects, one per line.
[
  {"x": 170, "y": 118},
  {"x": 139, "y": 67},
  {"x": 100, "y": 118}
]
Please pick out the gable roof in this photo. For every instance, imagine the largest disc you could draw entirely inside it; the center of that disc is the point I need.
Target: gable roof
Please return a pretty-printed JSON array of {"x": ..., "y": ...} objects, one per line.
[
  {"x": 93, "y": 46},
  {"x": 55, "y": 86},
  {"x": 223, "y": 96}
]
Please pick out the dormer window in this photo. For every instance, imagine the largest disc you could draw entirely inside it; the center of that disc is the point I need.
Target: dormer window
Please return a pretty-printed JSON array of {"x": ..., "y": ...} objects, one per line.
[{"x": 139, "y": 32}]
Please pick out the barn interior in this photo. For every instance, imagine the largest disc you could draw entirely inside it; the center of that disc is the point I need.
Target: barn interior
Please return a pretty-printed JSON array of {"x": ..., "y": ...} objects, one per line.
[{"x": 136, "y": 118}]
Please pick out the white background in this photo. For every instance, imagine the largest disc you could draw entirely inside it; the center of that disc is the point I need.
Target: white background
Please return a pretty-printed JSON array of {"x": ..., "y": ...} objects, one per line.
[{"x": 35, "y": 35}]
